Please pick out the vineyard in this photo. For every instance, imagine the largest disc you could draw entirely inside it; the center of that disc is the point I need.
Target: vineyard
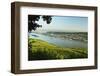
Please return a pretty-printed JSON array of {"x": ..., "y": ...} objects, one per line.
[{"x": 42, "y": 50}]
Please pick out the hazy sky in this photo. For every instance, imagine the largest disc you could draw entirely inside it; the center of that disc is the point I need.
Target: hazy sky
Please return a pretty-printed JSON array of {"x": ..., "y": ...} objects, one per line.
[{"x": 65, "y": 24}]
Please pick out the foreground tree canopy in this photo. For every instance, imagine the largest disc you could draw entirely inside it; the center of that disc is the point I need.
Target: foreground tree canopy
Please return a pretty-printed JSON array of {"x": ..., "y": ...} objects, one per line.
[{"x": 32, "y": 21}]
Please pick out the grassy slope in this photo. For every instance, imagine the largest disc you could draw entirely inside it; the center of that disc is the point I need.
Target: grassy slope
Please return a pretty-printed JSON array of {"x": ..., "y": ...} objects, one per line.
[{"x": 41, "y": 50}]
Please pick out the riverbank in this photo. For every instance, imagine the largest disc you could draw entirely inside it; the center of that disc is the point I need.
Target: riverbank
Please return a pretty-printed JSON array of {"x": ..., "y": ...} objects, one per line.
[
  {"x": 65, "y": 43},
  {"x": 42, "y": 50},
  {"x": 79, "y": 36}
]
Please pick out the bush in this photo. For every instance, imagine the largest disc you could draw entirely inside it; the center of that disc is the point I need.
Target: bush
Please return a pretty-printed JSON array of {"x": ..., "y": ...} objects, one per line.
[{"x": 44, "y": 54}]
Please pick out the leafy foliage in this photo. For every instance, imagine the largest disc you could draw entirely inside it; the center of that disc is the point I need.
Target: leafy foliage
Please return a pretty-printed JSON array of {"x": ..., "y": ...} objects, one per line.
[{"x": 32, "y": 24}]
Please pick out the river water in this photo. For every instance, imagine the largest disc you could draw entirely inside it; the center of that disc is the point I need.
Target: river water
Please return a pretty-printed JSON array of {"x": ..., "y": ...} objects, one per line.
[{"x": 59, "y": 42}]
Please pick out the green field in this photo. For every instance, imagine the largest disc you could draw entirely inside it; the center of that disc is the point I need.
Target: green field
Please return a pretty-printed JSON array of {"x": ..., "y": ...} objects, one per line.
[{"x": 42, "y": 50}]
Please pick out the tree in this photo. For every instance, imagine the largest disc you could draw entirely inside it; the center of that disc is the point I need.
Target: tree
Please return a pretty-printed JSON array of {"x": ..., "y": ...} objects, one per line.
[{"x": 33, "y": 25}]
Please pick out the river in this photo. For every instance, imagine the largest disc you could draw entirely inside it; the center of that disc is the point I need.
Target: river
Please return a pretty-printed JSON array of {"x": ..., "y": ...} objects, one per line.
[{"x": 59, "y": 42}]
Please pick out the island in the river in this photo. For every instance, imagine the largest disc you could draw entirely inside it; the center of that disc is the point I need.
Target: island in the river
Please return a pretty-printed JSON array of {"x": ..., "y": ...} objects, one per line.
[{"x": 80, "y": 36}]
